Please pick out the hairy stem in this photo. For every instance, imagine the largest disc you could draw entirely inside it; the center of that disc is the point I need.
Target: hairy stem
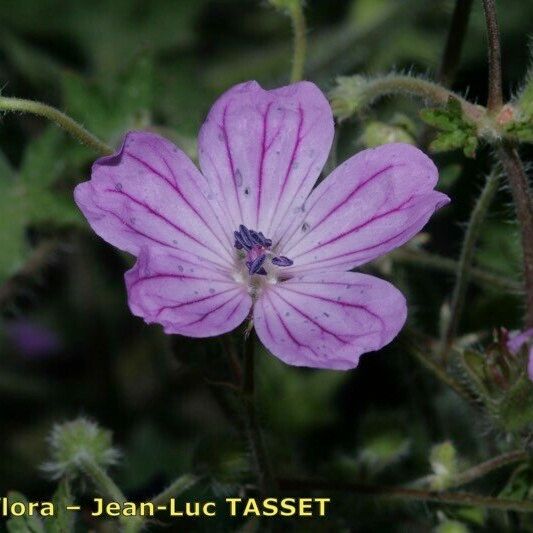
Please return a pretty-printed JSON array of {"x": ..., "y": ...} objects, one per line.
[
  {"x": 482, "y": 469},
  {"x": 407, "y": 494},
  {"x": 108, "y": 489},
  {"x": 465, "y": 260},
  {"x": 495, "y": 98},
  {"x": 521, "y": 192},
  {"x": 296, "y": 13},
  {"x": 355, "y": 93},
  {"x": 445, "y": 264},
  {"x": 64, "y": 121},
  {"x": 102, "y": 482},
  {"x": 253, "y": 430},
  {"x": 441, "y": 374},
  {"x": 454, "y": 42},
  {"x": 176, "y": 488}
]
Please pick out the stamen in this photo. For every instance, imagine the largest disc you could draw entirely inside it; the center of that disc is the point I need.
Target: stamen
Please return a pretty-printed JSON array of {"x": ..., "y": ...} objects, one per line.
[
  {"x": 256, "y": 265},
  {"x": 282, "y": 261},
  {"x": 257, "y": 248}
]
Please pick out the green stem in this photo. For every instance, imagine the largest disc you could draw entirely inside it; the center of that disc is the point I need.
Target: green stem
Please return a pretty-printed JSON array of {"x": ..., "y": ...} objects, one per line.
[
  {"x": 64, "y": 121},
  {"x": 425, "y": 259},
  {"x": 454, "y": 42},
  {"x": 357, "y": 93},
  {"x": 521, "y": 192},
  {"x": 407, "y": 494},
  {"x": 296, "y": 13},
  {"x": 102, "y": 482},
  {"x": 495, "y": 98},
  {"x": 441, "y": 374},
  {"x": 482, "y": 469},
  {"x": 176, "y": 488},
  {"x": 477, "y": 471},
  {"x": 253, "y": 430},
  {"x": 108, "y": 490},
  {"x": 465, "y": 260}
]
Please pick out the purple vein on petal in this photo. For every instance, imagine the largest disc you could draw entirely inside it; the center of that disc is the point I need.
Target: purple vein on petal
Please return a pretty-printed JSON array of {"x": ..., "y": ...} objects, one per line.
[
  {"x": 211, "y": 311},
  {"x": 288, "y": 331},
  {"x": 357, "y": 228},
  {"x": 165, "y": 219},
  {"x": 322, "y": 328},
  {"x": 260, "y": 171},
  {"x": 297, "y": 143},
  {"x": 230, "y": 157},
  {"x": 174, "y": 185},
  {"x": 343, "y": 201},
  {"x": 196, "y": 300}
]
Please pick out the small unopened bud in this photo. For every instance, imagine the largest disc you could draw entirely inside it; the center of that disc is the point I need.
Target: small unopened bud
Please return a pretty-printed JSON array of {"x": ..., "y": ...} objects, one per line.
[
  {"x": 443, "y": 462},
  {"x": 81, "y": 438},
  {"x": 347, "y": 97}
]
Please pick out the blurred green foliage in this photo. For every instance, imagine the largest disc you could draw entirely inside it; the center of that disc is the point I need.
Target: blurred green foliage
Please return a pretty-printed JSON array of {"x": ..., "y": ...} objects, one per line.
[{"x": 126, "y": 64}]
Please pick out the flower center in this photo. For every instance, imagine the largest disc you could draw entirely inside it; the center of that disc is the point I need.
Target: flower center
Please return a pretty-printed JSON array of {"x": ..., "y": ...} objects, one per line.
[{"x": 256, "y": 249}]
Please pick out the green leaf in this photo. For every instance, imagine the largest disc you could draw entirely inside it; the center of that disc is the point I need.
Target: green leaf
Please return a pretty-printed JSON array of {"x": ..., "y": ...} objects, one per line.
[
  {"x": 443, "y": 460},
  {"x": 454, "y": 129},
  {"x": 26, "y": 523},
  {"x": 63, "y": 521},
  {"x": 109, "y": 108}
]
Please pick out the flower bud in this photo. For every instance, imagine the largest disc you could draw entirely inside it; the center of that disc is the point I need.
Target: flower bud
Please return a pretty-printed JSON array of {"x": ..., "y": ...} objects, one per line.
[{"x": 80, "y": 438}]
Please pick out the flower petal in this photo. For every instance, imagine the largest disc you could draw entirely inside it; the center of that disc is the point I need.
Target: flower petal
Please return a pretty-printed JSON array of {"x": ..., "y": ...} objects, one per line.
[
  {"x": 530, "y": 364},
  {"x": 371, "y": 204},
  {"x": 150, "y": 193},
  {"x": 327, "y": 320},
  {"x": 172, "y": 289},
  {"x": 517, "y": 339},
  {"x": 263, "y": 151}
]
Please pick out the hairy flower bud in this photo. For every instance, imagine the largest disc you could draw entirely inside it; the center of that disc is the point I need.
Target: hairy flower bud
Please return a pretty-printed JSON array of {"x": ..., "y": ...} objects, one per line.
[{"x": 73, "y": 440}]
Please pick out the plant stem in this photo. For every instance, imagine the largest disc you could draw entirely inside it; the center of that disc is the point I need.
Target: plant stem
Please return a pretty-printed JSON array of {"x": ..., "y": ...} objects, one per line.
[
  {"x": 296, "y": 13},
  {"x": 255, "y": 437},
  {"x": 495, "y": 98},
  {"x": 465, "y": 260},
  {"x": 489, "y": 466},
  {"x": 510, "y": 159},
  {"x": 61, "y": 119},
  {"x": 176, "y": 488},
  {"x": 109, "y": 490},
  {"x": 407, "y": 494},
  {"x": 454, "y": 42},
  {"x": 521, "y": 192},
  {"x": 441, "y": 374},
  {"x": 357, "y": 93},
  {"x": 102, "y": 482},
  {"x": 445, "y": 264}
]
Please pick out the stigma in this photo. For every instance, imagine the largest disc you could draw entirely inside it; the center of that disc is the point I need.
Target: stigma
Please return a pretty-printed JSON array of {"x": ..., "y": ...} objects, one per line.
[{"x": 257, "y": 252}]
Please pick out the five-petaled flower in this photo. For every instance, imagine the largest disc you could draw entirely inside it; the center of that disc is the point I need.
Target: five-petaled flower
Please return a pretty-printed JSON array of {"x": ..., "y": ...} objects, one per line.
[{"x": 250, "y": 232}]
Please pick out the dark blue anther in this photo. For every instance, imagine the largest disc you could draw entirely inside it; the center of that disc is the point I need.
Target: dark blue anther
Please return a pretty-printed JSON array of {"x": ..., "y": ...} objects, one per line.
[
  {"x": 282, "y": 261},
  {"x": 240, "y": 243},
  {"x": 256, "y": 265},
  {"x": 246, "y": 237}
]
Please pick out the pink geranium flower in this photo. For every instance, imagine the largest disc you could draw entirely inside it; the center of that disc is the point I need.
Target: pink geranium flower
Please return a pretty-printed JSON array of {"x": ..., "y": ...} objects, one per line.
[{"x": 248, "y": 236}]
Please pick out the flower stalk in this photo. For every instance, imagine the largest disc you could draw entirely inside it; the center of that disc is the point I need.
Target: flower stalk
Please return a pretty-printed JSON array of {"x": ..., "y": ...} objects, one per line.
[
  {"x": 296, "y": 13},
  {"x": 454, "y": 42},
  {"x": 356, "y": 93},
  {"x": 408, "y": 494},
  {"x": 253, "y": 430},
  {"x": 465, "y": 260},
  {"x": 61, "y": 119},
  {"x": 521, "y": 193},
  {"x": 495, "y": 98}
]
